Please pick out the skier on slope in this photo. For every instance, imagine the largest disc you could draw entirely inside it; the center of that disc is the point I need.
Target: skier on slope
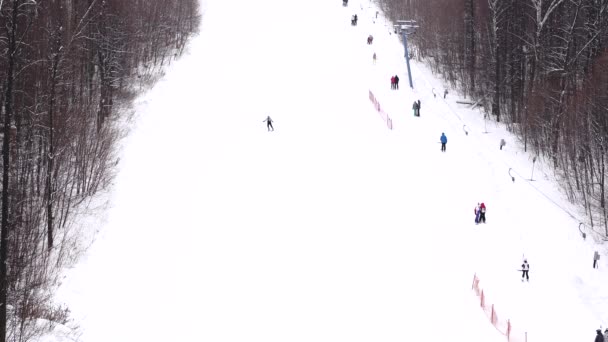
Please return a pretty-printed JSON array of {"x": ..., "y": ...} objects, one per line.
[
  {"x": 268, "y": 121},
  {"x": 525, "y": 267},
  {"x": 444, "y": 140},
  {"x": 482, "y": 213},
  {"x": 599, "y": 337},
  {"x": 477, "y": 213}
]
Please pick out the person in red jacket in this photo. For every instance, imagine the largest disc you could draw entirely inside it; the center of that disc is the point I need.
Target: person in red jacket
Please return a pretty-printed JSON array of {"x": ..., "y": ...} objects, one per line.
[{"x": 482, "y": 213}]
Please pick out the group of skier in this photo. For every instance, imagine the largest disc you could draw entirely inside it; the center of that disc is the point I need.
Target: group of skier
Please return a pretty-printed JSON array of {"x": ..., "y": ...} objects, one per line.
[
  {"x": 480, "y": 213},
  {"x": 480, "y": 217},
  {"x": 395, "y": 82},
  {"x": 601, "y": 338},
  {"x": 416, "y": 108},
  {"x": 480, "y": 209}
]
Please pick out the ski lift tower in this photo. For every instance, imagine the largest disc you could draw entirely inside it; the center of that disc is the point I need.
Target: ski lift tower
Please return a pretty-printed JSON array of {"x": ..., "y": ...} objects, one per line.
[{"x": 407, "y": 27}]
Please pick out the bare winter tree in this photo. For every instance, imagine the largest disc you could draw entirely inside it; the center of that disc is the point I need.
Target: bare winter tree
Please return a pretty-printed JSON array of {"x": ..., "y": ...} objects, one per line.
[
  {"x": 536, "y": 65},
  {"x": 68, "y": 70}
]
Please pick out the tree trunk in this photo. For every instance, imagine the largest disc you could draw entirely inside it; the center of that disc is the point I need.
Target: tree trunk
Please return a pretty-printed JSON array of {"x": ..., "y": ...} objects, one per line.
[
  {"x": 6, "y": 152},
  {"x": 469, "y": 18},
  {"x": 51, "y": 155}
]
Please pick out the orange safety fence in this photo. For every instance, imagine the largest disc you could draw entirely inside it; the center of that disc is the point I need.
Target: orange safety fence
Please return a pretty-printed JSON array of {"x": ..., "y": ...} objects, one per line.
[
  {"x": 501, "y": 324},
  {"x": 383, "y": 115}
]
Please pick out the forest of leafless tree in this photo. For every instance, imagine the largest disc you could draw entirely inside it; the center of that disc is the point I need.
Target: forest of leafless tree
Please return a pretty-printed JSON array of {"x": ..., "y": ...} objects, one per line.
[
  {"x": 538, "y": 66},
  {"x": 67, "y": 71}
]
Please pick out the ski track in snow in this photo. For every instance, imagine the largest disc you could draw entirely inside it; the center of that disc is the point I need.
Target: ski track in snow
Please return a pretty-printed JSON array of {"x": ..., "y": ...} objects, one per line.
[{"x": 332, "y": 227}]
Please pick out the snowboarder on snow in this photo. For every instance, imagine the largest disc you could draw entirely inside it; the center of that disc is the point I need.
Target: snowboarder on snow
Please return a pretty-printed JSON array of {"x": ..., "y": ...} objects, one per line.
[
  {"x": 370, "y": 39},
  {"x": 416, "y": 109},
  {"x": 606, "y": 335},
  {"x": 477, "y": 213},
  {"x": 444, "y": 140},
  {"x": 392, "y": 82},
  {"x": 599, "y": 337},
  {"x": 482, "y": 213},
  {"x": 396, "y": 82},
  {"x": 525, "y": 267},
  {"x": 268, "y": 121},
  {"x": 374, "y": 58}
]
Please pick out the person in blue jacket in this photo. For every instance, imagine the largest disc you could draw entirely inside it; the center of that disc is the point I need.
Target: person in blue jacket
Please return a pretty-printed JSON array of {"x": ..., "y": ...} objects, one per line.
[{"x": 444, "y": 140}]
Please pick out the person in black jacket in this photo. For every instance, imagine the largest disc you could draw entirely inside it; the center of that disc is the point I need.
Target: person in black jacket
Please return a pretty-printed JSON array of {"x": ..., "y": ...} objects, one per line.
[
  {"x": 268, "y": 122},
  {"x": 599, "y": 337}
]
